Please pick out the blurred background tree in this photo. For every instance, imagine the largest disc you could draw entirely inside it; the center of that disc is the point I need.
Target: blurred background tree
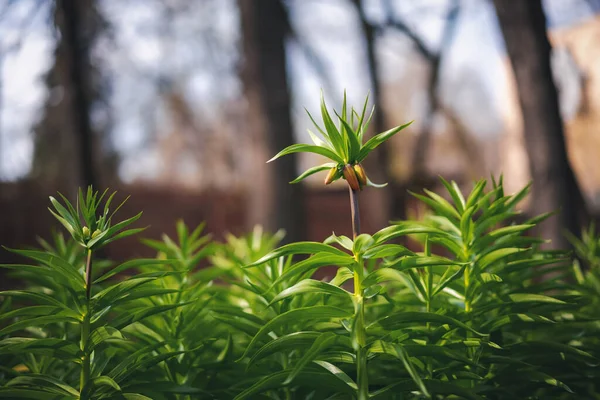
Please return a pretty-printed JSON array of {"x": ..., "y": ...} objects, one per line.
[{"x": 180, "y": 104}]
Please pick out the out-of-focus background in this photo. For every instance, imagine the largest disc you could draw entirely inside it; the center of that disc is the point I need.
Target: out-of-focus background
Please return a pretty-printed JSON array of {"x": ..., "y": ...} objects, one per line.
[{"x": 179, "y": 103}]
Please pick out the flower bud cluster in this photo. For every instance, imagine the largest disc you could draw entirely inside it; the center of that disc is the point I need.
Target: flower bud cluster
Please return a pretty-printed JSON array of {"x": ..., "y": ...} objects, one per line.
[{"x": 355, "y": 176}]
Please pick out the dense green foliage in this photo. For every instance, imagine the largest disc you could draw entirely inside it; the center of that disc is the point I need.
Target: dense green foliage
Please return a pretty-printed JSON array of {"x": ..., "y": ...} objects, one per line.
[{"x": 480, "y": 313}]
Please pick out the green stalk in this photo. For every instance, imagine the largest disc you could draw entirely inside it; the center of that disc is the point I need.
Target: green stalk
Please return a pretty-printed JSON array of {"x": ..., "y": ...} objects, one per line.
[
  {"x": 467, "y": 282},
  {"x": 354, "y": 210},
  {"x": 85, "y": 325},
  {"x": 429, "y": 291},
  {"x": 359, "y": 331}
]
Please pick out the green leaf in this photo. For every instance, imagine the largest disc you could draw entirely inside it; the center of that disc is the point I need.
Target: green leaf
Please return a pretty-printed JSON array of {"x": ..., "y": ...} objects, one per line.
[
  {"x": 298, "y": 248},
  {"x": 342, "y": 275},
  {"x": 448, "y": 278},
  {"x": 34, "y": 311},
  {"x": 317, "y": 380},
  {"x": 56, "y": 348},
  {"x": 405, "y": 228},
  {"x": 408, "y": 262},
  {"x": 314, "y": 170},
  {"x": 311, "y": 286},
  {"x": 123, "y": 234},
  {"x": 437, "y": 352},
  {"x": 109, "y": 233},
  {"x": 291, "y": 342},
  {"x": 94, "y": 383},
  {"x": 306, "y": 148},
  {"x": 317, "y": 141},
  {"x": 68, "y": 220},
  {"x": 442, "y": 205},
  {"x": 300, "y": 314},
  {"x": 321, "y": 131},
  {"x": 386, "y": 250},
  {"x": 32, "y": 394},
  {"x": 235, "y": 311},
  {"x": 362, "y": 242},
  {"x": 131, "y": 360},
  {"x": 338, "y": 373},
  {"x": 333, "y": 133},
  {"x": 65, "y": 223},
  {"x": 508, "y": 319},
  {"x": 56, "y": 262},
  {"x": 399, "y": 352},
  {"x": 376, "y": 140},
  {"x": 343, "y": 241},
  {"x": 125, "y": 320},
  {"x": 466, "y": 225},
  {"x": 135, "y": 263},
  {"x": 320, "y": 344},
  {"x": 495, "y": 256},
  {"x": 102, "y": 334},
  {"x": 113, "y": 293},
  {"x": 375, "y": 185},
  {"x": 360, "y": 128},
  {"x": 54, "y": 274},
  {"x": 475, "y": 193},
  {"x": 538, "y": 376},
  {"x": 135, "y": 396},
  {"x": 487, "y": 277},
  {"x": 60, "y": 317},
  {"x": 488, "y": 239},
  {"x": 399, "y": 319},
  {"x": 33, "y": 296},
  {"x": 456, "y": 194},
  {"x": 533, "y": 298},
  {"x": 353, "y": 142},
  {"x": 144, "y": 364},
  {"x": 242, "y": 325},
  {"x": 317, "y": 261},
  {"x": 382, "y": 275},
  {"x": 46, "y": 383}
]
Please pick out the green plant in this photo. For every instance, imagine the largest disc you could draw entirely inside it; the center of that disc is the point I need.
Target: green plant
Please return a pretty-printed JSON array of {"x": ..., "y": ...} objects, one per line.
[
  {"x": 342, "y": 144},
  {"x": 71, "y": 331},
  {"x": 463, "y": 303}
]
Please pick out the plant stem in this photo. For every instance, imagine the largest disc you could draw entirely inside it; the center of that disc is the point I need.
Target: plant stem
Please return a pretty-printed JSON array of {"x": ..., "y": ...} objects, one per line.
[
  {"x": 467, "y": 297},
  {"x": 429, "y": 289},
  {"x": 360, "y": 334},
  {"x": 88, "y": 276},
  {"x": 355, "y": 212},
  {"x": 361, "y": 350},
  {"x": 85, "y": 325}
]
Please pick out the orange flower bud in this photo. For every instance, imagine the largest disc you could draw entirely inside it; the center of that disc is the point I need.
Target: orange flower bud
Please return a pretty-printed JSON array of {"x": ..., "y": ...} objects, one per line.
[
  {"x": 350, "y": 177},
  {"x": 331, "y": 175},
  {"x": 361, "y": 175}
]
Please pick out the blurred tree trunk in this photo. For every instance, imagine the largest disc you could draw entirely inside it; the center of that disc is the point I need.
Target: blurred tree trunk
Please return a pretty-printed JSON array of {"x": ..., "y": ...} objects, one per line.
[
  {"x": 64, "y": 148},
  {"x": 272, "y": 200},
  {"x": 555, "y": 187}
]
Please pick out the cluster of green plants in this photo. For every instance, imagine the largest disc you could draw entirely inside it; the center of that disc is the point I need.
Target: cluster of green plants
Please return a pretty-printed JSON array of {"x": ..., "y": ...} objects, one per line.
[{"x": 464, "y": 303}]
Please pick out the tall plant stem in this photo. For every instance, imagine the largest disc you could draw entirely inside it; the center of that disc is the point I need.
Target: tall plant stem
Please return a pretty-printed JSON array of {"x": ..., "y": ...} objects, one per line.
[
  {"x": 88, "y": 275},
  {"x": 85, "y": 325},
  {"x": 467, "y": 297},
  {"x": 359, "y": 331},
  {"x": 354, "y": 210}
]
